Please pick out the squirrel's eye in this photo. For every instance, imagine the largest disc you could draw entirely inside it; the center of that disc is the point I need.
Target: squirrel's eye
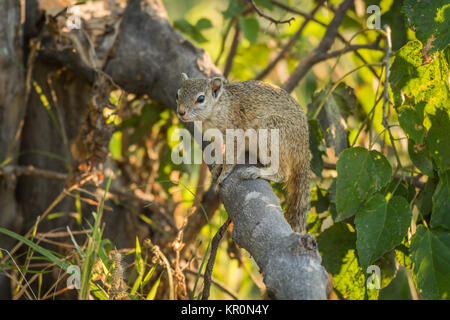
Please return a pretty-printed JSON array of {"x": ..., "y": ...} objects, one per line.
[
  {"x": 176, "y": 97},
  {"x": 201, "y": 98}
]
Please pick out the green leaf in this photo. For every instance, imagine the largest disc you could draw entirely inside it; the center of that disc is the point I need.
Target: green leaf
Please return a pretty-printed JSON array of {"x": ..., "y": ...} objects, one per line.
[
  {"x": 149, "y": 275},
  {"x": 420, "y": 158},
  {"x": 440, "y": 216},
  {"x": 360, "y": 174},
  {"x": 98, "y": 291},
  {"x": 152, "y": 294},
  {"x": 438, "y": 139},
  {"x": 430, "y": 19},
  {"x": 115, "y": 145},
  {"x": 399, "y": 288},
  {"x": 203, "y": 23},
  {"x": 411, "y": 120},
  {"x": 184, "y": 26},
  {"x": 337, "y": 247},
  {"x": 250, "y": 28},
  {"x": 425, "y": 197},
  {"x": 380, "y": 226},
  {"x": 430, "y": 252},
  {"x": 412, "y": 81},
  {"x": 317, "y": 147},
  {"x": 388, "y": 268},
  {"x": 264, "y": 4},
  {"x": 319, "y": 201},
  {"x": 234, "y": 8}
]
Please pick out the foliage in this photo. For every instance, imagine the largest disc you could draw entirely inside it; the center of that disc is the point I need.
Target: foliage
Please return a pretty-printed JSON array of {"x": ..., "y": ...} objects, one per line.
[{"x": 383, "y": 216}]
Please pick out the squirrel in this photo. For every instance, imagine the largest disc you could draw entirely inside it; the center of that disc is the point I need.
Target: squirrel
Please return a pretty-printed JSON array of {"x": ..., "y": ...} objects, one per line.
[{"x": 255, "y": 105}]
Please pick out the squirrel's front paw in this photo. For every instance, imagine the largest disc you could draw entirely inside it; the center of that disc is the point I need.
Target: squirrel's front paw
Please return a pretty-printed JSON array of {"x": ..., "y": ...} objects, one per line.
[{"x": 250, "y": 173}]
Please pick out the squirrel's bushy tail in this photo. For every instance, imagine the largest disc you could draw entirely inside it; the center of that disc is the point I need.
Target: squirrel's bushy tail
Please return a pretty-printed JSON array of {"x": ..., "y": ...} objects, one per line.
[{"x": 298, "y": 198}]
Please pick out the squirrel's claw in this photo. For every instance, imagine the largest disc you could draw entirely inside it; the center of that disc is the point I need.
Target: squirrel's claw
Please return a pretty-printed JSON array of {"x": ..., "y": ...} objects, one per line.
[{"x": 250, "y": 173}]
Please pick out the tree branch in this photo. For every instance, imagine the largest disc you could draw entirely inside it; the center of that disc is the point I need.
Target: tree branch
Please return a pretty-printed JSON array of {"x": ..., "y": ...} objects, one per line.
[
  {"x": 339, "y": 36},
  {"x": 233, "y": 50},
  {"x": 290, "y": 43},
  {"x": 262, "y": 14},
  {"x": 321, "y": 50},
  {"x": 31, "y": 171},
  {"x": 212, "y": 258}
]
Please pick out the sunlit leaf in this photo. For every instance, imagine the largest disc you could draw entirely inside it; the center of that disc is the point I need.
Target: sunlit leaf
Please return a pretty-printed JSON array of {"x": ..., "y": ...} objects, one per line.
[{"x": 430, "y": 19}]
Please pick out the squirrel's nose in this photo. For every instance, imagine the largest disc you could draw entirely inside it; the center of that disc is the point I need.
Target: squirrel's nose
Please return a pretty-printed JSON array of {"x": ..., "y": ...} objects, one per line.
[{"x": 181, "y": 113}]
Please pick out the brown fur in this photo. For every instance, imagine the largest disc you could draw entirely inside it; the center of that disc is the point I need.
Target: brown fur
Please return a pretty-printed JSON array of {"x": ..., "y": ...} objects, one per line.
[{"x": 256, "y": 105}]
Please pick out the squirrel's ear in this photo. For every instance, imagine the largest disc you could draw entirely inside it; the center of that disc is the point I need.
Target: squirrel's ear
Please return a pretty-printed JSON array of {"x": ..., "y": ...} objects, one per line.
[
  {"x": 184, "y": 76},
  {"x": 217, "y": 84}
]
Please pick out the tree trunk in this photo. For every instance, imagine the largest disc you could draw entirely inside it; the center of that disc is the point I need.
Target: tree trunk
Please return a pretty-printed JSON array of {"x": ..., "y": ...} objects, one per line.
[{"x": 12, "y": 107}]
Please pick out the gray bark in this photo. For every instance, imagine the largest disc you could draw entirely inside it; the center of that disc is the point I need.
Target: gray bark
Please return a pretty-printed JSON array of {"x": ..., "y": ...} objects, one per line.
[
  {"x": 12, "y": 106},
  {"x": 289, "y": 261}
]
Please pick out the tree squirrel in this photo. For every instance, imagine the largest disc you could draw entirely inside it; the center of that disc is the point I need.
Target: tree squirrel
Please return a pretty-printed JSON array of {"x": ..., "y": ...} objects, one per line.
[{"x": 255, "y": 105}]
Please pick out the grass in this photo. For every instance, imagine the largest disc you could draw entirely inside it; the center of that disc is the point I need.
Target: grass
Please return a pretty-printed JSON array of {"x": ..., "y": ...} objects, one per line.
[{"x": 99, "y": 275}]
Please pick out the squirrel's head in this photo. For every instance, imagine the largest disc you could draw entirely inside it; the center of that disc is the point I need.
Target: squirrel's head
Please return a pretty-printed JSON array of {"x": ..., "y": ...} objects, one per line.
[{"x": 197, "y": 97}]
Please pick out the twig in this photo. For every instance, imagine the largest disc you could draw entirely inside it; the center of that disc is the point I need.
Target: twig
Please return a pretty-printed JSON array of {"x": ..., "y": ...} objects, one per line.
[
  {"x": 31, "y": 171},
  {"x": 178, "y": 245},
  {"x": 262, "y": 14},
  {"x": 324, "y": 45},
  {"x": 290, "y": 9},
  {"x": 158, "y": 253},
  {"x": 356, "y": 47},
  {"x": 224, "y": 38},
  {"x": 386, "y": 101},
  {"x": 212, "y": 258},
  {"x": 217, "y": 284},
  {"x": 290, "y": 44},
  {"x": 366, "y": 120},
  {"x": 233, "y": 50}
]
